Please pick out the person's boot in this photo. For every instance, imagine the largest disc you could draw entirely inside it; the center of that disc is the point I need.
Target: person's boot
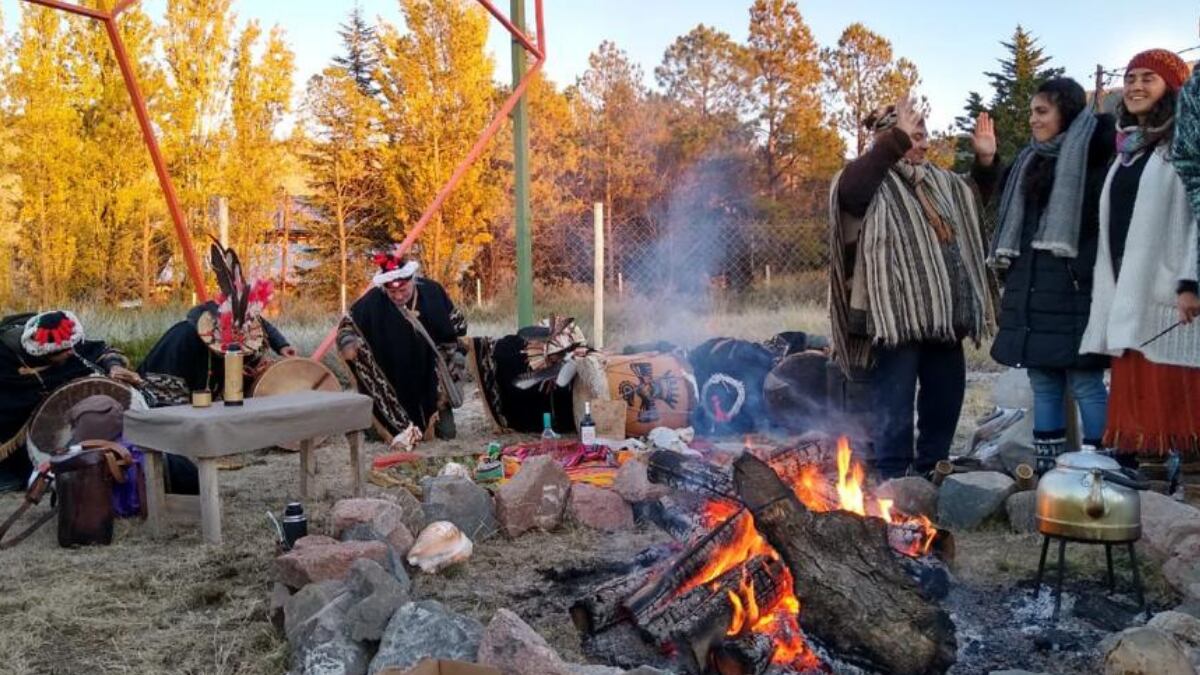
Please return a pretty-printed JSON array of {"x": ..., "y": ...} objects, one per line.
[
  {"x": 444, "y": 428},
  {"x": 1047, "y": 446}
]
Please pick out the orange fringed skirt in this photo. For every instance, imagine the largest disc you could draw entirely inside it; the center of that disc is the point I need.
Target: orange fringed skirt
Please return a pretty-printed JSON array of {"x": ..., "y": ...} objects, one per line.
[{"x": 1153, "y": 408}]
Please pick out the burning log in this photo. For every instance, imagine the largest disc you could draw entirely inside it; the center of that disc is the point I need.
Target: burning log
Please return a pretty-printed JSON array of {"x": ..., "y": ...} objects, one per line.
[
  {"x": 856, "y": 597},
  {"x": 704, "y": 615},
  {"x": 689, "y": 565},
  {"x": 790, "y": 461},
  {"x": 602, "y": 607},
  {"x": 750, "y": 655},
  {"x": 622, "y": 646},
  {"x": 689, "y": 474}
]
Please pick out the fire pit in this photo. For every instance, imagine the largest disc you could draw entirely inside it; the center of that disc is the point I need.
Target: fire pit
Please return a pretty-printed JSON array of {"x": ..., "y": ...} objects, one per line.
[{"x": 790, "y": 565}]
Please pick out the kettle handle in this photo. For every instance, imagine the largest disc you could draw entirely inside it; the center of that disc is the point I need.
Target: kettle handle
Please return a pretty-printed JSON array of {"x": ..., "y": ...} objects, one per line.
[{"x": 1094, "y": 506}]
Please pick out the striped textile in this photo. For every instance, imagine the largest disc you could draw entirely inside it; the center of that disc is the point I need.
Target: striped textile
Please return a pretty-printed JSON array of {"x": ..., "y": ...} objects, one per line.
[{"x": 908, "y": 288}]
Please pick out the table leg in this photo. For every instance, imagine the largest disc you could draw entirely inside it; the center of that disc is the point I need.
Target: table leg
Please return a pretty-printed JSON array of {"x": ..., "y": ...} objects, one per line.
[
  {"x": 155, "y": 492},
  {"x": 305, "y": 465},
  {"x": 354, "y": 439},
  {"x": 210, "y": 501}
]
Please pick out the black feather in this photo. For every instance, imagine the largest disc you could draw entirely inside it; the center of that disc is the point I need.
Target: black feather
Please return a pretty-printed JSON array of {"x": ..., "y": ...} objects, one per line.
[{"x": 221, "y": 269}]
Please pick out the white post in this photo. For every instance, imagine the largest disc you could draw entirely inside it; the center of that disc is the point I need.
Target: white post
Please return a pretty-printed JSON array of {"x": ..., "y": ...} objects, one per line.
[
  {"x": 478, "y": 292},
  {"x": 342, "y": 291},
  {"x": 768, "y": 276},
  {"x": 223, "y": 221},
  {"x": 620, "y": 285},
  {"x": 598, "y": 277}
]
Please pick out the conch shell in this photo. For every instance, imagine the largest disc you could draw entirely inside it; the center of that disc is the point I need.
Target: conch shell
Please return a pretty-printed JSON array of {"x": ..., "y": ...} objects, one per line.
[
  {"x": 455, "y": 469},
  {"x": 439, "y": 545}
]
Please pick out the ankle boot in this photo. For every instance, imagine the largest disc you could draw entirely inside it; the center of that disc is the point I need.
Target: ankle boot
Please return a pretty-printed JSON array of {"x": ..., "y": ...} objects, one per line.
[{"x": 1048, "y": 445}]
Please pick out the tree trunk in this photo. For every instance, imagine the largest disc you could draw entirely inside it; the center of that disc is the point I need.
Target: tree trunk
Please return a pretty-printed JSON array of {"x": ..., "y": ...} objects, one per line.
[{"x": 855, "y": 596}]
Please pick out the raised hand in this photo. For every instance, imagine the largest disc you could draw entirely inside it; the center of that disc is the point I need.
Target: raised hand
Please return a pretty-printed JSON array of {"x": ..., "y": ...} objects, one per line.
[
  {"x": 983, "y": 140},
  {"x": 908, "y": 119}
]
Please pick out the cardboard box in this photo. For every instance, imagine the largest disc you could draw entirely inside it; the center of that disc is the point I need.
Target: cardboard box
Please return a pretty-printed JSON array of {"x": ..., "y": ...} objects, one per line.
[{"x": 442, "y": 667}]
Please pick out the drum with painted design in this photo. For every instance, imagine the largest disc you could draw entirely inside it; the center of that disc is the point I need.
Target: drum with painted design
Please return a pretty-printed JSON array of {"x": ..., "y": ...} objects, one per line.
[{"x": 657, "y": 389}]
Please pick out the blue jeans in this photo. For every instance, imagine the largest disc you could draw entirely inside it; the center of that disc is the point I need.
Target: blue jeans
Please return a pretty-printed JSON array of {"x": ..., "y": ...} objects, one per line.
[
  {"x": 927, "y": 376},
  {"x": 1049, "y": 389}
]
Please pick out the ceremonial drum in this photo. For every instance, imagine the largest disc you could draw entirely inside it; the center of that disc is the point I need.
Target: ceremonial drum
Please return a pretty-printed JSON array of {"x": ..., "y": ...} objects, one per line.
[
  {"x": 658, "y": 390},
  {"x": 50, "y": 425},
  {"x": 291, "y": 375}
]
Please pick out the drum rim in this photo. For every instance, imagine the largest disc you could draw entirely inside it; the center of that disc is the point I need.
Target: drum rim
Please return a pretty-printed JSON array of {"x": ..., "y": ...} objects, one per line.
[{"x": 36, "y": 454}]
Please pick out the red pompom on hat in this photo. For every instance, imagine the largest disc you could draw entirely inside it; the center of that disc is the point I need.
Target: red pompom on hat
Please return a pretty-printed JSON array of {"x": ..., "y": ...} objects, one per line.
[
  {"x": 1165, "y": 63},
  {"x": 51, "y": 332}
]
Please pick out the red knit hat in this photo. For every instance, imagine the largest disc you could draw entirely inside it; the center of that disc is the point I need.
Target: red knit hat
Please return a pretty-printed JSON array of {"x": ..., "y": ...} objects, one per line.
[{"x": 1167, "y": 64}]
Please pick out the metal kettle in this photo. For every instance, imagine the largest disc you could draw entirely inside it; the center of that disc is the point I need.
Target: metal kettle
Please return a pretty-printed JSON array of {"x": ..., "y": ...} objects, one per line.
[{"x": 1089, "y": 497}]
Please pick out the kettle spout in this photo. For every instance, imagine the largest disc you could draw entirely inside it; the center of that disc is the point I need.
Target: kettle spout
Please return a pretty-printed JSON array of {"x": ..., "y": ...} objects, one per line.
[{"x": 1094, "y": 506}]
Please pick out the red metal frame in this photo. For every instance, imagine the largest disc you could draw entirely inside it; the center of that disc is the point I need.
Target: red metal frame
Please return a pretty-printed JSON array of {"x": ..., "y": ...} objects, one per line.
[
  {"x": 536, "y": 48},
  {"x": 109, "y": 19},
  {"x": 538, "y": 51}
]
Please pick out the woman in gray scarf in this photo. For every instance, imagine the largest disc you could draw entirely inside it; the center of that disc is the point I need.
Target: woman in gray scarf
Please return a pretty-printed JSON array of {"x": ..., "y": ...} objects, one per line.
[{"x": 1045, "y": 248}]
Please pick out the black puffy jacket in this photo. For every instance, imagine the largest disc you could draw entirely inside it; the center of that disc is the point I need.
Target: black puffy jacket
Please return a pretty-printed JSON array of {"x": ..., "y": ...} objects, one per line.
[{"x": 1046, "y": 301}]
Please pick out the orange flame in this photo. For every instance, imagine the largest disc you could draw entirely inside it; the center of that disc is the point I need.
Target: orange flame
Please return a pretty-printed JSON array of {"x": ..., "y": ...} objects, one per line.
[
  {"x": 885, "y": 509},
  {"x": 850, "y": 493}
]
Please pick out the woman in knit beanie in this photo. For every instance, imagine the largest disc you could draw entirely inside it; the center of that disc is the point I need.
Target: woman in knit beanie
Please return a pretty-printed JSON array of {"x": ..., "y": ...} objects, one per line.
[{"x": 1144, "y": 302}]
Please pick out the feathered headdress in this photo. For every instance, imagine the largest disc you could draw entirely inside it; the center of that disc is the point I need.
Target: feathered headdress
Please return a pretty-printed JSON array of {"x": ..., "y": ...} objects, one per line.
[
  {"x": 239, "y": 304},
  {"x": 551, "y": 357}
]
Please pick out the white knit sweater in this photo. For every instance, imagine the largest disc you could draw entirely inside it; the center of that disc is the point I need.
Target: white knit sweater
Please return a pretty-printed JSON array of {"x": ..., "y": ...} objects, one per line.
[{"x": 1160, "y": 251}]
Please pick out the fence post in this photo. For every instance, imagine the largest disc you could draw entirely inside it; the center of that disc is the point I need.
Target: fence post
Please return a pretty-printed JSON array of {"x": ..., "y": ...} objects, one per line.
[
  {"x": 768, "y": 276},
  {"x": 598, "y": 276},
  {"x": 620, "y": 285},
  {"x": 223, "y": 222},
  {"x": 478, "y": 292}
]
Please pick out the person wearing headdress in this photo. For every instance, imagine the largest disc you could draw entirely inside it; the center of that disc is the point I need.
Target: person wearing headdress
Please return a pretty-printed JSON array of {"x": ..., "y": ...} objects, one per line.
[
  {"x": 38, "y": 354},
  {"x": 401, "y": 339},
  {"x": 908, "y": 283},
  {"x": 193, "y": 349},
  {"x": 1144, "y": 301}
]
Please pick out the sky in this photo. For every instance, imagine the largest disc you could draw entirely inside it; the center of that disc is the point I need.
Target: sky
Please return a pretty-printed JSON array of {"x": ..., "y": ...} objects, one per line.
[{"x": 952, "y": 42}]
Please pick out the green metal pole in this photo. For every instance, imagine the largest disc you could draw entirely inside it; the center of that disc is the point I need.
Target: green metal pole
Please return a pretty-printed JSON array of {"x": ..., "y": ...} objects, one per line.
[{"x": 520, "y": 117}]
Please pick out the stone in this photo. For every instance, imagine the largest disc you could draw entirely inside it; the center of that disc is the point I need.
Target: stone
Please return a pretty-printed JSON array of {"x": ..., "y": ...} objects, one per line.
[
  {"x": 1183, "y": 627},
  {"x": 966, "y": 500},
  {"x": 1145, "y": 651},
  {"x": 633, "y": 483},
  {"x": 1014, "y": 672},
  {"x": 534, "y": 498},
  {"x": 280, "y": 594},
  {"x": 410, "y": 506},
  {"x": 426, "y": 630},
  {"x": 1166, "y": 523},
  {"x": 377, "y": 594},
  {"x": 313, "y": 541},
  {"x": 1182, "y": 569},
  {"x": 461, "y": 502},
  {"x": 330, "y": 653},
  {"x": 513, "y": 648},
  {"x": 1022, "y": 511},
  {"x": 311, "y": 564},
  {"x": 323, "y": 602},
  {"x": 592, "y": 669},
  {"x": 372, "y": 520},
  {"x": 599, "y": 509},
  {"x": 1012, "y": 390},
  {"x": 911, "y": 495}
]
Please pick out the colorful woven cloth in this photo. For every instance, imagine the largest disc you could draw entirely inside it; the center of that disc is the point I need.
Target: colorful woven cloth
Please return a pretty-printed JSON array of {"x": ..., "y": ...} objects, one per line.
[{"x": 595, "y": 465}]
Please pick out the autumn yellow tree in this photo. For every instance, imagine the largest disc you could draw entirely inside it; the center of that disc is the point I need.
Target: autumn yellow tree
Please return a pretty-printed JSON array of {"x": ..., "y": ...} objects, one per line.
[
  {"x": 436, "y": 82},
  {"x": 8, "y": 180},
  {"x": 863, "y": 75}
]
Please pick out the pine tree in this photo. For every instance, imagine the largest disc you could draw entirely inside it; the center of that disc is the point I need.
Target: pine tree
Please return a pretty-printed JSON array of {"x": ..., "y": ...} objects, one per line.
[
  {"x": 361, "y": 58},
  {"x": 863, "y": 76}
]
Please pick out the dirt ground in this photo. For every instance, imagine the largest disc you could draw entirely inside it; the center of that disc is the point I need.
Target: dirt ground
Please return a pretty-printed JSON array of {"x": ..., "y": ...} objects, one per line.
[{"x": 177, "y": 606}]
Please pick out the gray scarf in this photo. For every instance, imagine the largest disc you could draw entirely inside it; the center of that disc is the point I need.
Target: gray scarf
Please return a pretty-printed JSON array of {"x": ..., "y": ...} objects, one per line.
[{"x": 1058, "y": 226}]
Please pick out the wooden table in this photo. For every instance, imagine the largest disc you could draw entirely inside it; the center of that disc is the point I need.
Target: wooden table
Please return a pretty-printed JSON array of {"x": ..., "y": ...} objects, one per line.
[{"x": 205, "y": 435}]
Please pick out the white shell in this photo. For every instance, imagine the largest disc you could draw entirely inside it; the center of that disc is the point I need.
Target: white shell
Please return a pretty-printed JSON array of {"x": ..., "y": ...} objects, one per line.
[
  {"x": 439, "y": 545},
  {"x": 455, "y": 469}
]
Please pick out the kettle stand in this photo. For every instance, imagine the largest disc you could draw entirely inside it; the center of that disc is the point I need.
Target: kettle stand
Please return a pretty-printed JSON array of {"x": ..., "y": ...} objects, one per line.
[{"x": 1108, "y": 555}]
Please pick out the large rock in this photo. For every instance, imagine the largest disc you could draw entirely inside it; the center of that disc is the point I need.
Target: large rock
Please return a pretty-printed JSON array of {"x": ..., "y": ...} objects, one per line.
[
  {"x": 534, "y": 498},
  {"x": 912, "y": 495},
  {"x": 1145, "y": 651},
  {"x": 414, "y": 513},
  {"x": 1166, "y": 523},
  {"x": 330, "y": 653},
  {"x": 325, "y": 601},
  {"x": 1182, "y": 568},
  {"x": 513, "y": 648},
  {"x": 633, "y": 483},
  {"x": 317, "y": 632},
  {"x": 1022, "y": 511},
  {"x": 461, "y": 502},
  {"x": 966, "y": 500},
  {"x": 599, "y": 509},
  {"x": 1183, "y": 627},
  {"x": 322, "y": 561},
  {"x": 377, "y": 594},
  {"x": 372, "y": 520},
  {"x": 426, "y": 630}
]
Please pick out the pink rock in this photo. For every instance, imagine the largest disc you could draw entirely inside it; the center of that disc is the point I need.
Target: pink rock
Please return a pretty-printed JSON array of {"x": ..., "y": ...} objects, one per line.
[
  {"x": 633, "y": 484},
  {"x": 312, "y": 541},
  {"x": 372, "y": 519},
  {"x": 534, "y": 498},
  {"x": 1166, "y": 523},
  {"x": 599, "y": 509},
  {"x": 512, "y": 647},
  {"x": 320, "y": 561}
]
